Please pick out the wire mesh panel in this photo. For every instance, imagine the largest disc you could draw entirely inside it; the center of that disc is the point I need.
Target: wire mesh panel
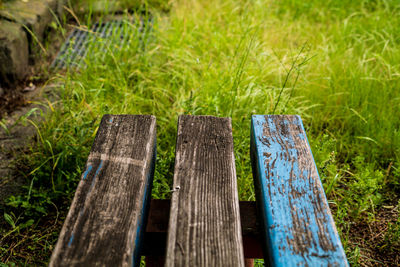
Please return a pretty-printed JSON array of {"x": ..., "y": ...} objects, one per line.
[{"x": 100, "y": 38}]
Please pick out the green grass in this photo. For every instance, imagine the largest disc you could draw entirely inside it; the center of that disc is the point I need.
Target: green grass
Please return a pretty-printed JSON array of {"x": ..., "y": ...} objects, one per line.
[{"x": 336, "y": 63}]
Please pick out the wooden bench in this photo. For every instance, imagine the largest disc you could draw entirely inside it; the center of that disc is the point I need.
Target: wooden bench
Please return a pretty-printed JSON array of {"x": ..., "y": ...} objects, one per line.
[{"x": 113, "y": 222}]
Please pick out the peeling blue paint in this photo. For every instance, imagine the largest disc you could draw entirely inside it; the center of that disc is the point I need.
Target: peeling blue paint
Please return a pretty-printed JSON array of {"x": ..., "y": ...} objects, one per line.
[
  {"x": 97, "y": 173},
  {"x": 70, "y": 240},
  {"x": 287, "y": 195},
  {"x": 89, "y": 168},
  {"x": 99, "y": 168},
  {"x": 143, "y": 211}
]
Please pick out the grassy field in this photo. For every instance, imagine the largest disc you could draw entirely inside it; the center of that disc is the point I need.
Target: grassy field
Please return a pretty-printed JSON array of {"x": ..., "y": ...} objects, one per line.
[{"x": 335, "y": 63}]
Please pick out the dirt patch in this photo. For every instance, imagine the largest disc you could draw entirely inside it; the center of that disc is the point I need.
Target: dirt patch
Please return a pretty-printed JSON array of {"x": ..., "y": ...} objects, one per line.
[
  {"x": 15, "y": 135},
  {"x": 378, "y": 241},
  {"x": 10, "y": 100},
  {"x": 32, "y": 246}
]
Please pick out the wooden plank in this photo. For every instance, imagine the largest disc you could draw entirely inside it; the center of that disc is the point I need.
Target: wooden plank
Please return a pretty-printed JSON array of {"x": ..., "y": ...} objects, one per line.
[
  {"x": 107, "y": 216},
  {"x": 204, "y": 226},
  {"x": 299, "y": 229},
  {"x": 155, "y": 238}
]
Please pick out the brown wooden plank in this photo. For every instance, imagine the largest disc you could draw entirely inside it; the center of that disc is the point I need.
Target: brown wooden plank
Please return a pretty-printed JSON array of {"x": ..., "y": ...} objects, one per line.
[
  {"x": 204, "y": 226},
  {"x": 106, "y": 218},
  {"x": 155, "y": 238}
]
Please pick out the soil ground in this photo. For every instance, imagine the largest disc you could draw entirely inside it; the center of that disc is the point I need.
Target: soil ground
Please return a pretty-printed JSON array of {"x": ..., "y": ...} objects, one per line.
[
  {"x": 17, "y": 134},
  {"x": 370, "y": 239}
]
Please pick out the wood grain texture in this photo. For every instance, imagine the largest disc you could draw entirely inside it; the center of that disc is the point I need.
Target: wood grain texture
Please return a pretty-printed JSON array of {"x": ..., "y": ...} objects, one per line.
[
  {"x": 105, "y": 221},
  {"x": 299, "y": 229},
  {"x": 155, "y": 238},
  {"x": 204, "y": 226}
]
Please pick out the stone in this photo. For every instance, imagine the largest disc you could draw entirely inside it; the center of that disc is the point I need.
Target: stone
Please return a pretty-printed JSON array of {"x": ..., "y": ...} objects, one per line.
[
  {"x": 60, "y": 7},
  {"x": 14, "y": 53},
  {"x": 33, "y": 14}
]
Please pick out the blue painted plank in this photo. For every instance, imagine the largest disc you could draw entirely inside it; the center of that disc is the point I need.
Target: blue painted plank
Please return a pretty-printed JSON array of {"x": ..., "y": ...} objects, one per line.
[{"x": 298, "y": 226}]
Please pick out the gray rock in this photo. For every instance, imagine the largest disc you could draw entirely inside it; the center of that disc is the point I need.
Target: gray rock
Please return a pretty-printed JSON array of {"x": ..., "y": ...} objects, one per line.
[
  {"x": 14, "y": 53},
  {"x": 60, "y": 7},
  {"x": 33, "y": 14}
]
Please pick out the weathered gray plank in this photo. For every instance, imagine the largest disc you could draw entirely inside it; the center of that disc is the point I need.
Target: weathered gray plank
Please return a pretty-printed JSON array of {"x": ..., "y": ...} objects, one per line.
[
  {"x": 204, "y": 226},
  {"x": 105, "y": 222},
  {"x": 299, "y": 228}
]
